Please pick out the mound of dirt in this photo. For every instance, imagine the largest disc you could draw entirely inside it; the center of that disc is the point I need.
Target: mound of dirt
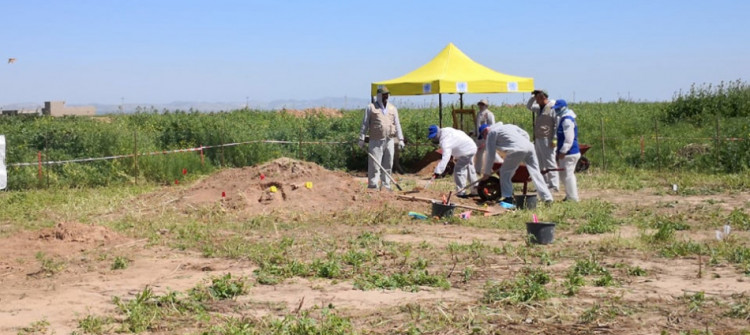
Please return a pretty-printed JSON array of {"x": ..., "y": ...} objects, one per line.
[{"x": 282, "y": 185}]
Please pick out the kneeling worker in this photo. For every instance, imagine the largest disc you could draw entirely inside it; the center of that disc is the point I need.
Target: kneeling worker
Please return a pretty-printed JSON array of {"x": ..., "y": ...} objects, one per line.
[
  {"x": 515, "y": 142},
  {"x": 456, "y": 143}
]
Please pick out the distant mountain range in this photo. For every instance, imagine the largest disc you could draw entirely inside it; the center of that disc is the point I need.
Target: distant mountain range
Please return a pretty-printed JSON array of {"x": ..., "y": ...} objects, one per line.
[{"x": 330, "y": 102}]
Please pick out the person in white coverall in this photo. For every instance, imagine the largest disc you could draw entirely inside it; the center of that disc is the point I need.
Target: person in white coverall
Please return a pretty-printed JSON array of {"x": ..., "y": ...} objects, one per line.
[
  {"x": 382, "y": 123},
  {"x": 462, "y": 147},
  {"x": 515, "y": 142},
  {"x": 484, "y": 117},
  {"x": 568, "y": 151},
  {"x": 544, "y": 133}
]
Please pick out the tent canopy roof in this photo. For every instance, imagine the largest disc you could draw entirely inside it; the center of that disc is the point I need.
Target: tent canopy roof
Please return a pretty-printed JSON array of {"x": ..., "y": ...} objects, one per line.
[{"x": 451, "y": 71}]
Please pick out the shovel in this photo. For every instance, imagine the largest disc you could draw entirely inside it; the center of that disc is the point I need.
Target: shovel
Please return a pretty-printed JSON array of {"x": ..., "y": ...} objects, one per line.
[
  {"x": 467, "y": 186},
  {"x": 384, "y": 171}
]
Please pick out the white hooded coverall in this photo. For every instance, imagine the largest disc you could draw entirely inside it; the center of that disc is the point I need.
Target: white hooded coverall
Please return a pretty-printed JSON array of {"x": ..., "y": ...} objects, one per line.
[
  {"x": 568, "y": 163},
  {"x": 459, "y": 145},
  {"x": 484, "y": 117},
  {"x": 382, "y": 123},
  {"x": 544, "y": 133},
  {"x": 515, "y": 142}
]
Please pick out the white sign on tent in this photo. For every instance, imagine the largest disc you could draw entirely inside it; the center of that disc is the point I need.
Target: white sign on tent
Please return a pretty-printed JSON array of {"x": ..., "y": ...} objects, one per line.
[{"x": 3, "y": 173}]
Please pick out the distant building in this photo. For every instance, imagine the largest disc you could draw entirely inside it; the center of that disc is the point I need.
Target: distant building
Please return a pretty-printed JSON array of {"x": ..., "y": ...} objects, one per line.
[
  {"x": 57, "y": 108},
  {"x": 11, "y": 112}
]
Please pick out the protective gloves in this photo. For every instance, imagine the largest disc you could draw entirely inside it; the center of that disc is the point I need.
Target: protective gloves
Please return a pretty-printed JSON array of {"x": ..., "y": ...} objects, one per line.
[
  {"x": 361, "y": 144},
  {"x": 401, "y": 145}
]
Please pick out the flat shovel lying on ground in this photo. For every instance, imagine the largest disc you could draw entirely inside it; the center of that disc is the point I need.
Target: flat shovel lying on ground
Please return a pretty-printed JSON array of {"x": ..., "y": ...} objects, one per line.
[
  {"x": 384, "y": 171},
  {"x": 486, "y": 211}
]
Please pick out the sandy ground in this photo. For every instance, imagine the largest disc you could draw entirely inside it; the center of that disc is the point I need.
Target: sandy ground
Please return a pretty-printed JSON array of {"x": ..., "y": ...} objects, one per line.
[{"x": 86, "y": 284}]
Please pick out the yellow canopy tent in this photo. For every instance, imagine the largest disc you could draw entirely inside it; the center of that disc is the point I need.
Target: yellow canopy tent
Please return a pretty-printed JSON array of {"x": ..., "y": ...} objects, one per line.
[{"x": 451, "y": 71}]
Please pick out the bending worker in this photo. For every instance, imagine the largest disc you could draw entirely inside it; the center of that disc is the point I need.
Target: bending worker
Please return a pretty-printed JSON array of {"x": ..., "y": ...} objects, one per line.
[
  {"x": 459, "y": 145},
  {"x": 382, "y": 123},
  {"x": 514, "y": 141},
  {"x": 544, "y": 132},
  {"x": 568, "y": 152}
]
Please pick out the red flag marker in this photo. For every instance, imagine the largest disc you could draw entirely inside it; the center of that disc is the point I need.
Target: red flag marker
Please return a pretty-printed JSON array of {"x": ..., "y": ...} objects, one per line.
[
  {"x": 262, "y": 176},
  {"x": 176, "y": 182},
  {"x": 223, "y": 194},
  {"x": 184, "y": 171}
]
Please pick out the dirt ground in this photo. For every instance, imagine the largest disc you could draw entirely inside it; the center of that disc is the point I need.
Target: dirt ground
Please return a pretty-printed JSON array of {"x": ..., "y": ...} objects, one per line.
[{"x": 86, "y": 284}]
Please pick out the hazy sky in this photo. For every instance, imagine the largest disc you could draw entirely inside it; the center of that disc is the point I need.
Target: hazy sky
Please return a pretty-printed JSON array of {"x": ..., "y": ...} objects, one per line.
[{"x": 160, "y": 51}]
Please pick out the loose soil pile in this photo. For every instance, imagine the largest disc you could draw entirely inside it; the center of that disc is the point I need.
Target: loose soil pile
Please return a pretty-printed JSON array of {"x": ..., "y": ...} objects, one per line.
[{"x": 282, "y": 185}]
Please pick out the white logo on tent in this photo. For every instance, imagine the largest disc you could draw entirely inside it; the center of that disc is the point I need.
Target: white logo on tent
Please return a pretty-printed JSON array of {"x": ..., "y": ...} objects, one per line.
[
  {"x": 462, "y": 87},
  {"x": 512, "y": 86}
]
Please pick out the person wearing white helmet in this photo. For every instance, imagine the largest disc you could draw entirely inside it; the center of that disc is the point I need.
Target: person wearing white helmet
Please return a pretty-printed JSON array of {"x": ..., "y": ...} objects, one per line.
[
  {"x": 568, "y": 151},
  {"x": 515, "y": 142},
  {"x": 382, "y": 124},
  {"x": 544, "y": 133},
  {"x": 456, "y": 143},
  {"x": 485, "y": 117}
]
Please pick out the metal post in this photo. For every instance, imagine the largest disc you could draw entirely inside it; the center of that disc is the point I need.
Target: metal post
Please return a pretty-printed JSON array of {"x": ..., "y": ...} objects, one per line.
[
  {"x": 46, "y": 156},
  {"x": 658, "y": 155},
  {"x": 440, "y": 107},
  {"x": 718, "y": 140},
  {"x": 299, "y": 146},
  {"x": 604, "y": 156},
  {"x": 135, "y": 154}
]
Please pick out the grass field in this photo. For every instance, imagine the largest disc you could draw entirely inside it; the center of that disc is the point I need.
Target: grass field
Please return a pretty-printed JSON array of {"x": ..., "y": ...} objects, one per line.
[{"x": 633, "y": 257}]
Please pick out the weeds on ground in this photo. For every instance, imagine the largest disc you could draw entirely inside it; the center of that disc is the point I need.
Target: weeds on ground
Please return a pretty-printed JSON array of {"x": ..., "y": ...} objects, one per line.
[
  {"x": 120, "y": 263},
  {"x": 740, "y": 307},
  {"x": 93, "y": 324},
  {"x": 695, "y": 301},
  {"x": 528, "y": 286},
  {"x": 49, "y": 265},
  {"x": 36, "y": 327}
]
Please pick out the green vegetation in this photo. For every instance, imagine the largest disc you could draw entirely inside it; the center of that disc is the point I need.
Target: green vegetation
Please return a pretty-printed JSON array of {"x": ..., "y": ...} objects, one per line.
[
  {"x": 528, "y": 286},
  {"x": 626, "y": 125}
]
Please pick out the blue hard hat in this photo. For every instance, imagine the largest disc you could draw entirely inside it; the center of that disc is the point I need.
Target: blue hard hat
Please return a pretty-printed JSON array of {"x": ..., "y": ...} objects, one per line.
[
  {"x": 481, "y": 130},
  {"x": 432, "y": 131},
  {"x": 559, "y": 104}
]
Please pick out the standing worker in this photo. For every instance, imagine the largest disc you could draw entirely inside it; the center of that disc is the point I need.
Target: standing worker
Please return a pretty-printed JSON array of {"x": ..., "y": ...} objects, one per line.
[
  {"x": 514, "y": 141},
  {"x": 382, "y": 123},
  {"x": 484, "y": 118},
  {"x": 459, "y": 145},
  {"x": 568, "y": 152},
  {"x": 544, "y": 133}
]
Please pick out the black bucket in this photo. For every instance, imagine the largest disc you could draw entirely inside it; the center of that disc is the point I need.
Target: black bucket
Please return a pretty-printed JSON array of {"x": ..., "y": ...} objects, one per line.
[
  {"x": 540, "y": 232},
  {"x": 440, "y": 210},
  {"x": 525, "y": 201}
]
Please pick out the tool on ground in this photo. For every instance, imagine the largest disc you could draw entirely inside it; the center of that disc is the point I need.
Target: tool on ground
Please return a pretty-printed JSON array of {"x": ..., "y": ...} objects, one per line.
[
  {"x": 413, "y": 198},
  {"x": 430, "y": 181},
  {"x": 448, "y": 200},
  {"x": 416, "y": 215},
  {"x": 384, "y": 171},
  {"x": 467, "y": 186}
]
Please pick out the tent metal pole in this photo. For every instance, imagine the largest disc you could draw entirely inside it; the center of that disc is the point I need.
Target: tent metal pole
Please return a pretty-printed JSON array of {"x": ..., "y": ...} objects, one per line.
[{"x": 440, "y": 107}]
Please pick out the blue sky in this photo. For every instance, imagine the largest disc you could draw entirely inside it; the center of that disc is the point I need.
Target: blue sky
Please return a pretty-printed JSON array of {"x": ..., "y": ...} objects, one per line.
[{"x": 160, "y": 51}]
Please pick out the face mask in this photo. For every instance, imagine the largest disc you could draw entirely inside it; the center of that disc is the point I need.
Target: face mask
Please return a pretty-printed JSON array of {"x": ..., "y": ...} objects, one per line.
[
  {"x": 559, "y": 112},
  {"x": 435, "y": 140}
]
